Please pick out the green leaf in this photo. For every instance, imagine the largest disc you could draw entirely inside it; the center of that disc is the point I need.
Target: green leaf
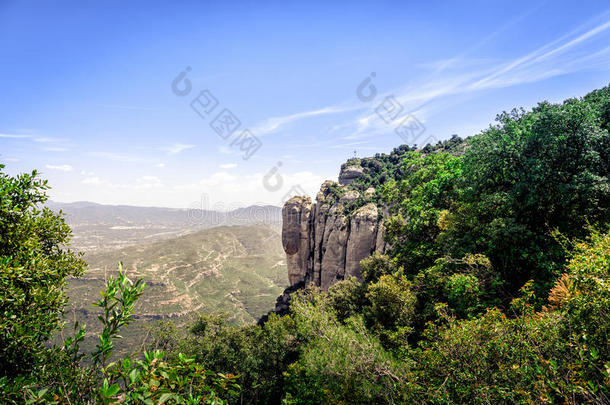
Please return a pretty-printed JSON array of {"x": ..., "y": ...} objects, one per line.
[
  {"x": 134, "y": 375},
  {"x": 113, "y": 390},
  {"x": 164, "y": 397}
]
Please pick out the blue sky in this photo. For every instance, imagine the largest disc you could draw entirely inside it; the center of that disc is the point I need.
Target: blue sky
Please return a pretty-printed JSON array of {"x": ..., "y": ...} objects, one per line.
[{"x": 86, "y": 88}]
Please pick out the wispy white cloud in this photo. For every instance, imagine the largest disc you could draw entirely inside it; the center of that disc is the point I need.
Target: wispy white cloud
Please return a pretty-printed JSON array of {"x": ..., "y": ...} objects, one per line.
[
  {"x": 273, "y": 124},
  {"x": 160, "y": 165},
  {"x": 146, "y": 182},
  {"x": 118, "y": 157},
  {"x": 457, "y": 63},
  {"x": 541, "y": 63},
  {"x": 14, "y": 136},
  {"x": 55, "y": 149},
  {"x": 94, "y": 180},
  {"x": 559, "y": 57},
  {"x": 141, "y": 183},
  {"x": 228, "y": 165},
  {"x": 48, "y": 140},
  {"x": 63, "y": 168},
  {"x": 128, "y": 107},
  {"x": 348, "y": 145},
  {"x": 177, "y": 148},
  {"x": 38, "y": 139},
  {"x": 463, "y": 61}
]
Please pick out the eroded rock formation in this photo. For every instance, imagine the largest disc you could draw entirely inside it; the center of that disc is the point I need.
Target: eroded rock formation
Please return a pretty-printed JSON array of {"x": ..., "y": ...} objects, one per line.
[{"x": 325, "y": 241}]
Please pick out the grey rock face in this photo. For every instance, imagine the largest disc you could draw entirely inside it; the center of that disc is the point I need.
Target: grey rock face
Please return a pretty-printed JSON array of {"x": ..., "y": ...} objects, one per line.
[
  {"x": 323, "y": 245},
  {"x": 349, "y": 196},
  {"x": 362, "y": 238},
  {"x": 333, "y": 250},
  {"x": 349, "y": 174},
  {"x": 296, "y": 216}
]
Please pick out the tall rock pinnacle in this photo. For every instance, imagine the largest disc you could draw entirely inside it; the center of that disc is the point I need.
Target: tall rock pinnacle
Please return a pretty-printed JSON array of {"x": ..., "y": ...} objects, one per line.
[{"x": 323, "y": 242}]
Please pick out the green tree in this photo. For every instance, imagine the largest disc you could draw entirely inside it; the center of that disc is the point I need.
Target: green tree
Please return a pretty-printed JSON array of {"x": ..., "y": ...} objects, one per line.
[
  {"x": 392, "y": 309},
  {"x": 418, "y": 199},
  {"x": 34, "y": 266},
  {"x": 375, "y": 266},
  {"x": 534, "y": 173},
  {"x": 259, "y": 355},
  {"x": 347, "y": 297}
]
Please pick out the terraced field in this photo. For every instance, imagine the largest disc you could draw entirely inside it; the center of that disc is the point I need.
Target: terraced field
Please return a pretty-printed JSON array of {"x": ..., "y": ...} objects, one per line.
[{"x": 235, "y": 270}]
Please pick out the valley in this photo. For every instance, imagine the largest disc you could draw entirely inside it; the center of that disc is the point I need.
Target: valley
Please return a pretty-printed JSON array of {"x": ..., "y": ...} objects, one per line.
[{"x": 232, "y": 270}]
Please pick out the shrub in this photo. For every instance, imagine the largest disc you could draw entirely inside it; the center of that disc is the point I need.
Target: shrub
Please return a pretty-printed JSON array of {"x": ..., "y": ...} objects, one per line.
[
  {"x": 463, "y": 293},
  {"x": 340, "y": 363},
  {"x": 347, "y": 297},
  {"x": 392, "y": 308},
  {"x": 375, "y": 266}
]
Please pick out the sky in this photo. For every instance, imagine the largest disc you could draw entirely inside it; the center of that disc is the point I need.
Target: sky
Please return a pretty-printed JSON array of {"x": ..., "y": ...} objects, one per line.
[{"x": 219, "y": 105}]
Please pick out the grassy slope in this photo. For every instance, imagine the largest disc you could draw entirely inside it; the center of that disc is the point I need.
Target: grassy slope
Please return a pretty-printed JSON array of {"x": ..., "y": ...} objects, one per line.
[{"x": 237, "y": 270}]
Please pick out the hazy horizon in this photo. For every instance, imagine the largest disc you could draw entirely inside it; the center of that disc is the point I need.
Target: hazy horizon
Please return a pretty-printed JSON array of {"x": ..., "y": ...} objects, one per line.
[{"x": 219, "y": 208}]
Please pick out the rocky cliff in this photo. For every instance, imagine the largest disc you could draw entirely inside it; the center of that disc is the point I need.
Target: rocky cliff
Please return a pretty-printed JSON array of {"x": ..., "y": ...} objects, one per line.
[{"x": 326, "y": 240}]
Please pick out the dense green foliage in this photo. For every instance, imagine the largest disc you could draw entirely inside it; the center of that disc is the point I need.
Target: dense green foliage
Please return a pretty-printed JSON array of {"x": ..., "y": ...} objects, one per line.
[
  {"x": 496, "y": 289},
  {"x": 348, "y": 346},
  {"x": 532, "y": 174},
  {"x": 548, "y": 356},
  {"x": 33, "y": 268}
]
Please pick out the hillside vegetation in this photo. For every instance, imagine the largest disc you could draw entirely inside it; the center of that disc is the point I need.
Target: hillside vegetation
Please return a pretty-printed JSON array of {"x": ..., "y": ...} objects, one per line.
[
  {"x": 233, "y": 271},
  {"x": 496, "y": 289}
]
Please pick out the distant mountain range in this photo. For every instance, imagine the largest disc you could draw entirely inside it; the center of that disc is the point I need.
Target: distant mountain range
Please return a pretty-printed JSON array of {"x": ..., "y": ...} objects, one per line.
[{"x": 98, "y": 226}]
